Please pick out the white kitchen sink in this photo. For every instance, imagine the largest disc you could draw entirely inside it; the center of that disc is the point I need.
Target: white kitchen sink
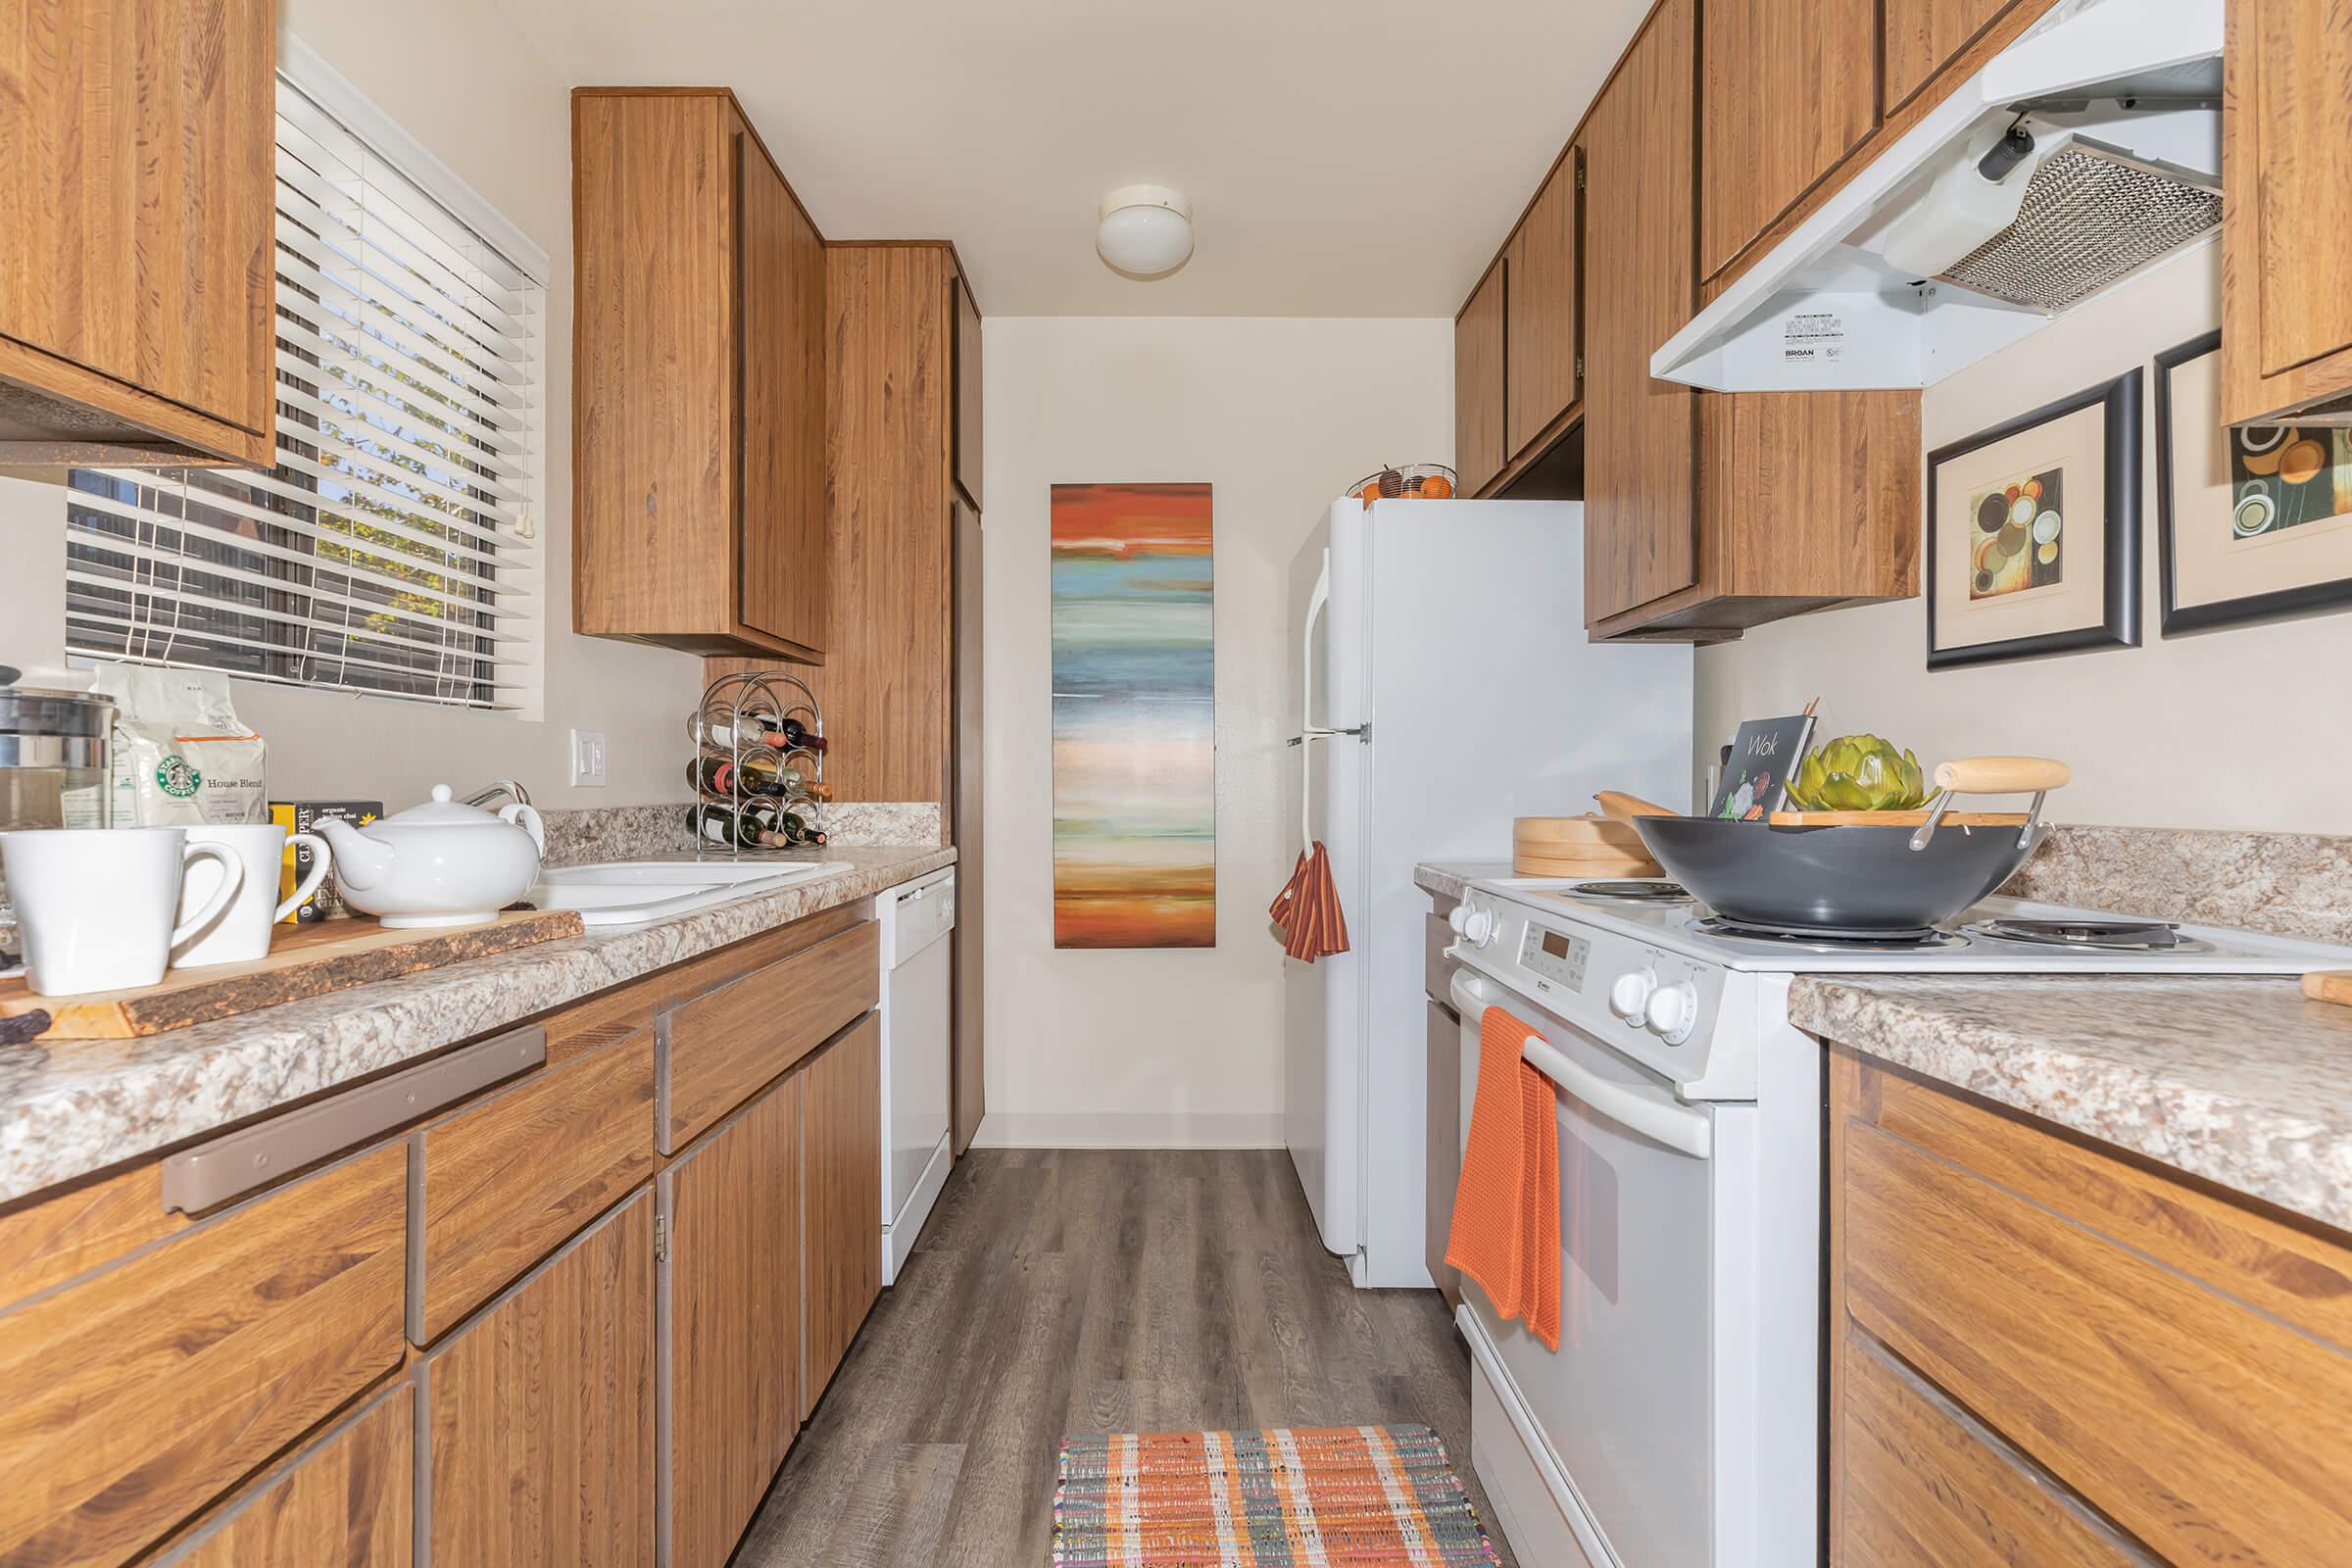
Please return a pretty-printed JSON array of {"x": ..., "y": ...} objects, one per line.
[{"x": 633, "y": 892}]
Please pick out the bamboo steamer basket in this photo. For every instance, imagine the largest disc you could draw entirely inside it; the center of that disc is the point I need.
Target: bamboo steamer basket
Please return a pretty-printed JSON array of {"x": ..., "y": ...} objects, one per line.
[{"x": 1582, "y": 847}]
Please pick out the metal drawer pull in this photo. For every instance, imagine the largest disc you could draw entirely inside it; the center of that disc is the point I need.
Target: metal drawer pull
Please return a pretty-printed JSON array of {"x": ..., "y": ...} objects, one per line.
[{"x": 235, "y": 1163}]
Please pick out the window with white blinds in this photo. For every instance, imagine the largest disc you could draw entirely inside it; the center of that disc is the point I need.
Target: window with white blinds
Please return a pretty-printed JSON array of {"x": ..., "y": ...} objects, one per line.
[{"x": 389, "y": 550}]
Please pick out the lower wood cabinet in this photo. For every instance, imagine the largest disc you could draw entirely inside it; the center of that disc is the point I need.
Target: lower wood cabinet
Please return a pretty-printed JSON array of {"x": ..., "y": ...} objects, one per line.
[
  {"x": 2150, "y": 1370},
  {"x": 842, "y": 1206},
  {"x": 539, "y": 1413},
  {"x": 136, "y": 1397},
  {"x": 346, "y": 1499},
  {"x": 731, "y": 1324}
]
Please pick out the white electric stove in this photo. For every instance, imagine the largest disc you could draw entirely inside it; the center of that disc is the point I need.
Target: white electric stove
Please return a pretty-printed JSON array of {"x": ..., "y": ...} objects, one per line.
[{"x": 1678, "y": 1425}]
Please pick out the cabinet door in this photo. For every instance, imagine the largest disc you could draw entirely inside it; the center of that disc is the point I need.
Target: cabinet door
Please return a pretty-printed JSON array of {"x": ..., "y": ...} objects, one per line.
[
  {"x": 1640, "y": 518},
  {"x": 138, "y": 196},
  {"x": 1923, "y": 36},
  {"x": 539, "y": 1413},
  {"x": 785, "y": 581},
  {"x": 842, "y": 1122},
  {"x": 731, "y": 1349},
  {"x": 1477, "y": 374},
  {"x": 344, "y": 1499},
  {"x": 2287, "y": 238},
  {"x": 1791, "y": 87},
  {"x": 969, "y": 1077},
  {"x": 966, "y": 416},
  {"x": 1541, "y": 314}
]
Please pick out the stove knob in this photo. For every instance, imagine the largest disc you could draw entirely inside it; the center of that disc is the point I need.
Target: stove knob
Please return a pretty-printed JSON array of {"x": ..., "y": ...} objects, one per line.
[
  {"x": 1673, "y": 1013},
  {"x": 1475, "y": 924},
  {"x": 1631, "y": 993}
]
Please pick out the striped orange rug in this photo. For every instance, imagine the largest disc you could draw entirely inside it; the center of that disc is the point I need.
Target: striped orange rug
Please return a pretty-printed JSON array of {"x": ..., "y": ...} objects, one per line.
[{"x": 1332, "y": 1496}]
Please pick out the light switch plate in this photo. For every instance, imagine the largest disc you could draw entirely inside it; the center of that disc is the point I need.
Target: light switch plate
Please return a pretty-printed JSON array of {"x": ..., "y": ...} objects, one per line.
[{"x": 588, "y": 758}]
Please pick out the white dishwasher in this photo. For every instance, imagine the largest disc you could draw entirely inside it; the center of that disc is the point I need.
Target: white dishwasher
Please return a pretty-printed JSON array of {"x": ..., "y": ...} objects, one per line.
[{"x": 917, "y": 917}]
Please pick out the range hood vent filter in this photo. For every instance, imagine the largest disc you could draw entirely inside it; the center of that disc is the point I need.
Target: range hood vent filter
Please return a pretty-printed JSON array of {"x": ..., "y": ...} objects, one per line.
[{"x": 2090, "y": 218}]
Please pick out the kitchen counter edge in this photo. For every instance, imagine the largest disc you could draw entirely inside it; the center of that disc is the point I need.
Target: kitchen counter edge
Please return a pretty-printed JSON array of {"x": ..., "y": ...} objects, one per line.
[{"x": 69, "y": 1109}]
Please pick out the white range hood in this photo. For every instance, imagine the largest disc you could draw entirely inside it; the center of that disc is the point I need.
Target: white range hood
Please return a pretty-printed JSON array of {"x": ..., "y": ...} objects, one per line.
[{"x": 2083, "y": 154}]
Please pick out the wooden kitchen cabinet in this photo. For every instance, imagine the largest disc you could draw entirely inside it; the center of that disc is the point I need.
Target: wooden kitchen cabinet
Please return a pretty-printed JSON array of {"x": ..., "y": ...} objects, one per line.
[
  {"x": 1479, "y": 431},
  {"x": 841, "y": 1204},
  {"x": 967, "y": 413},
  {"x": 346, "y": 1499},
  {"x": 1641, "y": 516},
  {"x": 731, "y": 1353},
  {"x": 2286, "y": 229},
  {"x": 2047, "y": 1347},
  {"x": 138, "y": 197},
  {"x": 1923, "y": 36},
  {"x": 1543, "y": 309},
  {"x": 1791, "y": 87},
  {"x": 139, "y": 1392},
  {"x": 539, "y": 1438},
  {"x": 697, "y": 382}
]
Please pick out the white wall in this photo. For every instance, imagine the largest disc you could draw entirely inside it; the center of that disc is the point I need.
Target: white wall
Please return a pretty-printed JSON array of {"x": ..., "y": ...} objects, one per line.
[
  {"x": 1172, "y": 1048},
  {"x": 2237, "y": 728},
  {"x": 464, "y": 81}
]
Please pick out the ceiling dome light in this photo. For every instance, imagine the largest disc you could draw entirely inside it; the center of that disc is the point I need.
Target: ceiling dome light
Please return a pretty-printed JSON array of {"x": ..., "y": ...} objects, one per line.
[{"x": 1147, "y": 230}]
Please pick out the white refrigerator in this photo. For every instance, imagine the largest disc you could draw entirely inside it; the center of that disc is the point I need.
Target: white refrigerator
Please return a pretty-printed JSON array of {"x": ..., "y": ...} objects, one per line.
[{"x": 1442, "y": 685}]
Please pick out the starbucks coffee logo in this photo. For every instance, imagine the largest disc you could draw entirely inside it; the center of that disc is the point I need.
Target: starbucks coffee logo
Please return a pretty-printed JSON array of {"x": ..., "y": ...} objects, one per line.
[{"x": 177, "y": 777}]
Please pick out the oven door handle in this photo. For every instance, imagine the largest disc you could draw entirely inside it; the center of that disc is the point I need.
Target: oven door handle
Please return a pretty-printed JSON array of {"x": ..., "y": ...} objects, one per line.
[{"x": 1660, "y": 1117}]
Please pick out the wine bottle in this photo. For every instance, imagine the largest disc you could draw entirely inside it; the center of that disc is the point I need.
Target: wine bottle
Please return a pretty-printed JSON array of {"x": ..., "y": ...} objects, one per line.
[
  {"x": 742, "y": 826},
  {"x": 799, "y": 832},
  {"x": 718, "y": 728},
  {"x": 800, "y": 737},
  {"x": 711, "y": 775}
]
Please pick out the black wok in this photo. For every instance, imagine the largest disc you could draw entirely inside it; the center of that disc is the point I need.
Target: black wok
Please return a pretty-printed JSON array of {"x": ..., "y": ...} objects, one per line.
[{"x": 1857, "y": 877}]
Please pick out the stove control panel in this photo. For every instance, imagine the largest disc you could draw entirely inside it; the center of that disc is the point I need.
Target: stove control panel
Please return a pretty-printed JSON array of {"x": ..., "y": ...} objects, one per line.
[{"x": 1554, "y": 955}]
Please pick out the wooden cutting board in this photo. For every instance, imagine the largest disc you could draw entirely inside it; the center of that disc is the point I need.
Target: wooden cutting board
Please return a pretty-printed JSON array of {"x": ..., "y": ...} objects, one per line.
[
  {"x": 304, "y": 960},
  {"x": 2330, "y": 985}
]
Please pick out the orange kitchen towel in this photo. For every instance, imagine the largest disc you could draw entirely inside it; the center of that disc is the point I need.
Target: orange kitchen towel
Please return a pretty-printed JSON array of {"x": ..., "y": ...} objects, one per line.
[{"x": 1507, "y": 1212}]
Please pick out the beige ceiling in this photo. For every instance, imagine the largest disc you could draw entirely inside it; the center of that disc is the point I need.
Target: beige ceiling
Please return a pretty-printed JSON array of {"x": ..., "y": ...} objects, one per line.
[{"x": 1359, "y": 159}]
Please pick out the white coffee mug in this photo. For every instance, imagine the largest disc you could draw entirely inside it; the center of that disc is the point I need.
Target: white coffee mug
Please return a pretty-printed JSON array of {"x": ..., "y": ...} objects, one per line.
[
  {"x": 240, "y": 931},
  {"x": 95, "y": 905}
]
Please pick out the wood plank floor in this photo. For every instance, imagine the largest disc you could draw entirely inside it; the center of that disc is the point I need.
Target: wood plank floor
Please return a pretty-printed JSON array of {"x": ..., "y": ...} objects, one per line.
[{"x": 1068, "y": 1291}]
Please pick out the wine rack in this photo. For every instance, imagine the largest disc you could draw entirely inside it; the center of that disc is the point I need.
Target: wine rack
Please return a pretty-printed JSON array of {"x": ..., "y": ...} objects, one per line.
[{"x": 767, "y": 698}]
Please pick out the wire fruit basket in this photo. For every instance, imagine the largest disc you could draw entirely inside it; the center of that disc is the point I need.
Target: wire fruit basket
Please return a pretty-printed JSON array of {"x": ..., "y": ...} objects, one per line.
[
  {"x": 737, "y": 714},
  {"x": 1419, "y": 481}
]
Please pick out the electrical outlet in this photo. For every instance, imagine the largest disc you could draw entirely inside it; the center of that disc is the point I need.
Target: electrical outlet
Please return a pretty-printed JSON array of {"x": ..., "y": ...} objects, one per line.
[{"x": 588, "y": 758}]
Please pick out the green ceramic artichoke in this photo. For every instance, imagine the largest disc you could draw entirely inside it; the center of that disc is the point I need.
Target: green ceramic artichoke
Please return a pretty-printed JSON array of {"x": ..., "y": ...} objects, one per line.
[{"x": 1858, "y": 773}]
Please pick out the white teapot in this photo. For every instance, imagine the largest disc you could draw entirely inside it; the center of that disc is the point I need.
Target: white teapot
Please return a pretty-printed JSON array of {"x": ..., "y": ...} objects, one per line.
[{"x": 440, "y": 863}]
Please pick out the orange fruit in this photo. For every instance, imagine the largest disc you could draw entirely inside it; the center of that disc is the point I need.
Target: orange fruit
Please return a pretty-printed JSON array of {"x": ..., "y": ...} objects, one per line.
[{"x": 1436, "y": 487}]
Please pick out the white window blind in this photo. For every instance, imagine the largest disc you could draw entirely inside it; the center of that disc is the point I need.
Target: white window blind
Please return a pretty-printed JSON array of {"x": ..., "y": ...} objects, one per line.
[{"x": 389, "y": 550}]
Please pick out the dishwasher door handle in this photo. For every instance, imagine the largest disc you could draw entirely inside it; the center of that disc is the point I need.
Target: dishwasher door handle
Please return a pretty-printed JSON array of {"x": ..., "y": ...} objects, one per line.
[{"x": 1657, "y": 1116}]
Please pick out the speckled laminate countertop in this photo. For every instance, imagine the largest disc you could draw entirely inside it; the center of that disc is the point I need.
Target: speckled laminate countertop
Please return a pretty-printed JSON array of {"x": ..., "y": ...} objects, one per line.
[
  {"x": 70, "y": 1108},
  {"x": 2242, "y": 1082}
]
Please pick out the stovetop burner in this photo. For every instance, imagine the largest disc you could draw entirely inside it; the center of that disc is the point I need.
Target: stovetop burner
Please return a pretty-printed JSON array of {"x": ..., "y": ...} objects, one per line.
[
  {"x": 1831, "y": 939},
  {"x": 2104, "y": 936},
  {"x": 1631, "y": 891}
]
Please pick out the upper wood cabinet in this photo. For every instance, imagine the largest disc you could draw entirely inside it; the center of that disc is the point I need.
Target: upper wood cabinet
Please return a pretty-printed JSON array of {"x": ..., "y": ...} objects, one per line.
[
  {"x": 731, "y": 1360},
  {"x": 138, "y": 200},
  {"x": 967, "y": 387},
  {"x": 1791, "y": 87},
  {"x": 1478, "y": 382},
  {"x": 1923, "y": 36},
  {"x": 1640, "y": 522},
  {"x": 2286, "y": 229},
  {"x": 697, "y": 382},
  {"x": 1542, "y": 335}
]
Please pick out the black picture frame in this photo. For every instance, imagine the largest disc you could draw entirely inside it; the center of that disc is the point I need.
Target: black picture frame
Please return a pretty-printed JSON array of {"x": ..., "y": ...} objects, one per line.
[
  {"x": 2119, "y": 623},
  {"x": 2176, "y": 620}
]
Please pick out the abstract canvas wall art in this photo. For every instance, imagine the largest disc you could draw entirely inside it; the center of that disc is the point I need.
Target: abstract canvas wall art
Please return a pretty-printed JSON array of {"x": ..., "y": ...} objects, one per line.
[{"x": 1135, "y": 832}]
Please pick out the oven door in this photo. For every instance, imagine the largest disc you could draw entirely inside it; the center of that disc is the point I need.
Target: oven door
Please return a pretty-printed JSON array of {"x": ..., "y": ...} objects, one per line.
[{"x": 1621, "y": 1418}]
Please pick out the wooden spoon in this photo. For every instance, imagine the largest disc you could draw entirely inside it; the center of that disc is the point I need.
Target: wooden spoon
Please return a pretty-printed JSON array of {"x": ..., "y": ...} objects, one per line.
[{"x": 1620, "y": 807}]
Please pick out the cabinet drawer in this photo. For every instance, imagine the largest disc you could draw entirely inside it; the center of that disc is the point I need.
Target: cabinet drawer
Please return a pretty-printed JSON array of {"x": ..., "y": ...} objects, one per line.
[
  {"x": 2209, "y": 1430},
  {"x": 348, "y": 1498},
  {"x": 1922, "y": 1485},
  {"x": 504, "y": 1182},
  {"x": 139, "y": 1394},
  {"x": 720, "y": 1049}
]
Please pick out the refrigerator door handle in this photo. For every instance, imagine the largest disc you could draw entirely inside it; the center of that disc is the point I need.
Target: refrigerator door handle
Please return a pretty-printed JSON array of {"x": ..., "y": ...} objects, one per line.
[{"x": 1316, "y": 604}]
